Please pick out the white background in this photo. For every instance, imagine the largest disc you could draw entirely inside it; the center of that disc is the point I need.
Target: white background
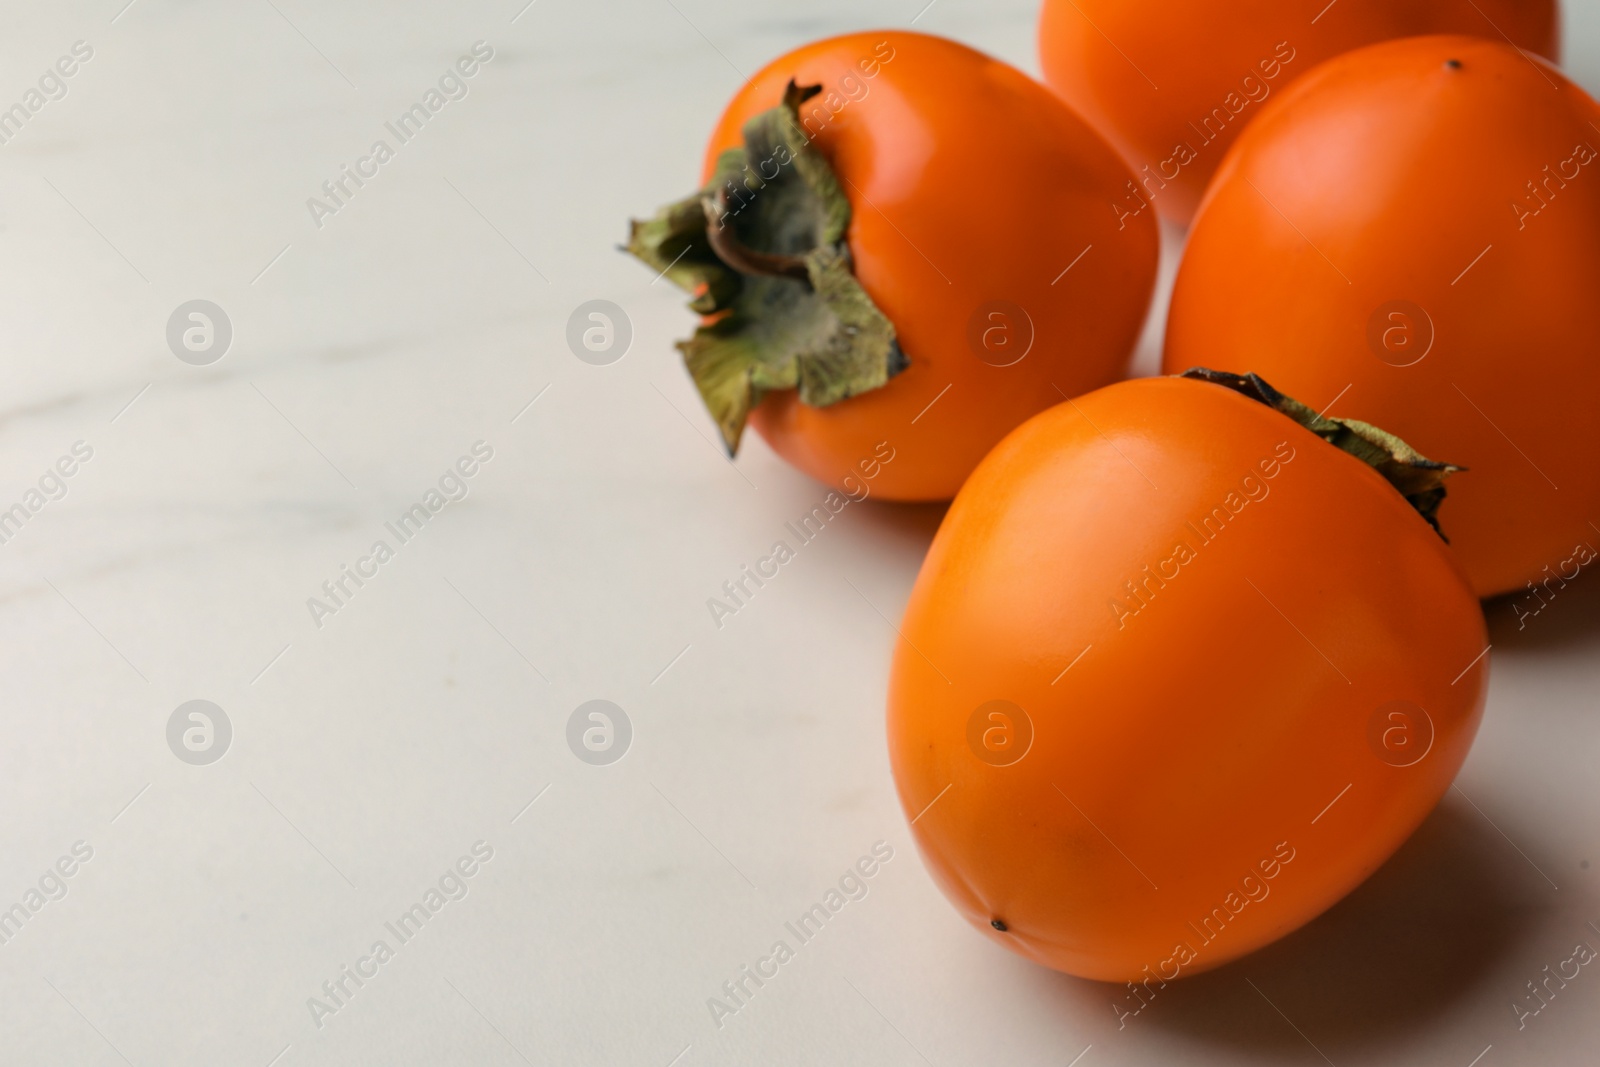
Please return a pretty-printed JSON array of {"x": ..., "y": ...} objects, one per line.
[{"x": 369, "y": 754}]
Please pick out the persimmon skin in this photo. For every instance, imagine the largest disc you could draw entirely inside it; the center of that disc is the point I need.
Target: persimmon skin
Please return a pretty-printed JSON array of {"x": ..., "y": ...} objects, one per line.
[
  {"x": 1204, "y": 734},
  {"x": 968, "y": 183},
  {"x": 1402, "y": 170},
  {"x": 1200, "y": 51}
]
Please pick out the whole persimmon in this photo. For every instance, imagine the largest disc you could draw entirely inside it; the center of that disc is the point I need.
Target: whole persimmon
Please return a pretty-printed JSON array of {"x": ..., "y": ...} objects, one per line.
[
  {"x": 1172, "y": 82},
  {"x": 1413, "y": 232},
  {"x": 901, "y": 243},
  {"x": 1183, "y": 666}
]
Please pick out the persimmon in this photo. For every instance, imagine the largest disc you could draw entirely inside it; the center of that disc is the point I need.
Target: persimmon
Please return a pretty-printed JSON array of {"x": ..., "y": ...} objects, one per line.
[
  {"x": 1183, "y": 666},
  {"x": 1172, "y": 82},
  {"x": 901, "y": 239},
  {"x": 1413, "y": 232}
]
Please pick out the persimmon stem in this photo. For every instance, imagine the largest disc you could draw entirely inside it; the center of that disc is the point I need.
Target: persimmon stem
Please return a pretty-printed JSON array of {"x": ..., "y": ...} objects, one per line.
[
  {"x": 771, "y": 275},
  {"x": 1417, "y": 478},
  {"x": 742, "y": 258}
]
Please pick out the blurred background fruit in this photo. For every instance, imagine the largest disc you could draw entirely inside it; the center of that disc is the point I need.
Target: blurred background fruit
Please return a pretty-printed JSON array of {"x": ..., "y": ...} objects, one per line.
[{"x": 1172, "y": 82}]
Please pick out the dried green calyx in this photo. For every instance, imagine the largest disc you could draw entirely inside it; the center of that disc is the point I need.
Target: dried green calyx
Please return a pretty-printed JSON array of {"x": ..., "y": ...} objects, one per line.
[
  {"x": 762, "y": 249},
  {"x": 1419, "y": 479}
]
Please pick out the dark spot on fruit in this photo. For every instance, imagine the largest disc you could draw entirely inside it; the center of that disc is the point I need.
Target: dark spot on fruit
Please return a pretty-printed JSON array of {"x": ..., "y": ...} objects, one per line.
[
  {"x": 998, "y": 924},
  {"x": 1453, "y": 64}
]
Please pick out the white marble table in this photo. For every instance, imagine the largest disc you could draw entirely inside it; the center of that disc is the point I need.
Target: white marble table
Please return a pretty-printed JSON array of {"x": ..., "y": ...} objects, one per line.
[{"x": 374, "y": 747}]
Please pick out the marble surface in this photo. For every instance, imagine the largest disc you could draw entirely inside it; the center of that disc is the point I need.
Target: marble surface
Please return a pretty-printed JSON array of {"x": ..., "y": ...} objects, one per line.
[{"x": 384, "y": 750}]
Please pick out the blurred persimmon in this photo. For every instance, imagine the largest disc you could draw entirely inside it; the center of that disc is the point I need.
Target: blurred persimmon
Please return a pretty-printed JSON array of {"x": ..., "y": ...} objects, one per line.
[{"x": 1172, "y": 82}]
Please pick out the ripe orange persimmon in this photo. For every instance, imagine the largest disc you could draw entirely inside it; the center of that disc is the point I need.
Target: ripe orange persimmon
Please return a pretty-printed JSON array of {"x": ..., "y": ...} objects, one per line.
[
  {"x": 1172, "y": 82},
  {"x": 1413, "y": 231},
  {"x": 967, "y": 192},
  {"x": 1177, "y": 674}
]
